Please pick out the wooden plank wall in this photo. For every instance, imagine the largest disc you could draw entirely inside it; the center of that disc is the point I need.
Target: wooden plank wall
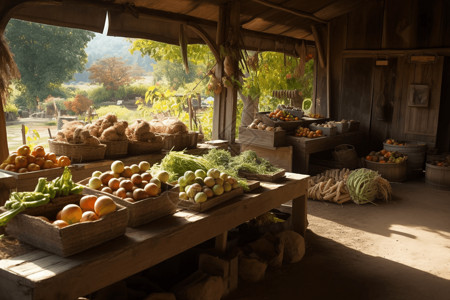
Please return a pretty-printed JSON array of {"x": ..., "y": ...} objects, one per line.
[{"x": 377, "y": 95}]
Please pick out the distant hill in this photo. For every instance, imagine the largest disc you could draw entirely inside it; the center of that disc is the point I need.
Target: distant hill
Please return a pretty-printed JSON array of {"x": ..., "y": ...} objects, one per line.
[{"x": 102, "y": 46}]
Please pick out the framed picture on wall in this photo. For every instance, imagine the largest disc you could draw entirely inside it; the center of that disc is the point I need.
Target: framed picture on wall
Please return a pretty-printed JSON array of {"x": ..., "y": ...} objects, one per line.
[{"x": 419, "y": 95}]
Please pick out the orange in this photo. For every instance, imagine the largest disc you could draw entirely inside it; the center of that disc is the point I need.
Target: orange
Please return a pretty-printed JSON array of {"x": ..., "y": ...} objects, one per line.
[
  {"x": 21, "y": 161},
  {"x": 63, "y": 161},
  {"x": 51, "y": 156},
  {"x": 38, "y": 151},
  {"x": 60, "y": 223},
  {"x": 104, "y": 205},
  {"x": 71, "y": 213},
  {"x": 40, "y": 161},
  {"x": 23, "y": 150},
  {"x": 88, "y": 216},
  {"x": 87, "y": 202}
]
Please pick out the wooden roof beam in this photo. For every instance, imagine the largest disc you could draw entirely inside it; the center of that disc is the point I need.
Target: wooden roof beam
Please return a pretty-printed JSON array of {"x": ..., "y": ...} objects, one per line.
[{"x": 298, "y": 13}]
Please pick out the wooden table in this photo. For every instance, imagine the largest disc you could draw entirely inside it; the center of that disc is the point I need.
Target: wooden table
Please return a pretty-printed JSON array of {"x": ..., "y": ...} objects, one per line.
[
  {"x": 41, "y": 275},
  {"x": 303, "y": 147}
]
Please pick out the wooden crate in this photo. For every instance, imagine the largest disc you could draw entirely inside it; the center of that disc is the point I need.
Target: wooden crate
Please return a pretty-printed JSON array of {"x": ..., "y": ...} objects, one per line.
[
  {"x": 262, "y": 138},
  {"x": 211, "y": 202},
  {"x": 286, "y": 125},
  {"x": 263, "y": 177},
  {"x": 179, "y": 142},
  {"x": 27, "y": 181},
  {"x": 71, "y": 239},
  {"x": 148, "y": 209},
  {"x": 326, "y": 131}
]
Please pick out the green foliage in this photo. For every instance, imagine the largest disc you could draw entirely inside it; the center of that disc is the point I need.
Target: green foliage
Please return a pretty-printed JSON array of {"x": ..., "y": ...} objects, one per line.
[
  {"x": 197, "y": 54},
  {"x": 11, "y": 108},
  {"x": 273, "y": 74},
  {"x": 46, "y": 56},
  {"x": 31, "y": 136},
  {"x": 121, "y": 112},
  {"x": 101, "y": 94}
]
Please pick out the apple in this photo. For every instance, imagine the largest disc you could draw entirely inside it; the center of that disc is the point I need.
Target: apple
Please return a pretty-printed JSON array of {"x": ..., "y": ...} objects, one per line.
[
  {"x": 134, "y": 168},
  {"x": 163, "y": 176},
  {"x": 95, "y": 183},
  {"x": 117, "y": 166},
  {"x": 144, "y": 166},
  {"x": 96, "y": 174}
]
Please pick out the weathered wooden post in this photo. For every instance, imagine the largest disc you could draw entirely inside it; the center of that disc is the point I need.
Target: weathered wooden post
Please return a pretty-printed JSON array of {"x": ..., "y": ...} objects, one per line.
[{"x": 225, "y": 103}]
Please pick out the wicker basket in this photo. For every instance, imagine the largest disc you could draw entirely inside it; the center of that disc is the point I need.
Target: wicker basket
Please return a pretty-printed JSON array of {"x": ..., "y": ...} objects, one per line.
[
  {"x": 78, "y": 152},
  {"x": 116, "y": 148},
  {"x": 136, "y": 148}
]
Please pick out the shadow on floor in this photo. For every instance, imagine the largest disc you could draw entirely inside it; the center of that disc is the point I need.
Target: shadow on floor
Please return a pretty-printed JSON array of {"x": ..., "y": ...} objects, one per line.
[
  {"x": 414, "y": 203},
  {"x": 330, "y": 270}
]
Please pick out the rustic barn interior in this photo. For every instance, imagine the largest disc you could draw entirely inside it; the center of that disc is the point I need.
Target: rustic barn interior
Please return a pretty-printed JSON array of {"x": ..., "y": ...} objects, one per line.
[{"x": 385, "y": 63}]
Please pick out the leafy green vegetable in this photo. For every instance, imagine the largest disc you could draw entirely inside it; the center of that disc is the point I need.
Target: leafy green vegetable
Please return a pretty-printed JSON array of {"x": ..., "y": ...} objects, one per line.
[{"x": 362, "y": 185}]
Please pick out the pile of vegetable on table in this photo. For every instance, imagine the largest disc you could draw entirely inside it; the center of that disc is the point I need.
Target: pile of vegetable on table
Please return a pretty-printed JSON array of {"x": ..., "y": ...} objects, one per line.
[
  {"x": 43, "y": 193},
  {"x": 178, "y": 162},
  {"x": 341, "y": 185}
]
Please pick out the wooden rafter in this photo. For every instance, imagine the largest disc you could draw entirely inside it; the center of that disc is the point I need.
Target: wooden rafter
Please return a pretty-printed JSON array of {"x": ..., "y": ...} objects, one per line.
[
  {"x": 206, "y": 38},
  {"x": 296, "y": 12}
]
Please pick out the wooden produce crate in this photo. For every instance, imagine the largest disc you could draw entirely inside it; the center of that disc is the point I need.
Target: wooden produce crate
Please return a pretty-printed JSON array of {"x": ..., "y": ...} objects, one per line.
[
  {"x": 179, "y": 142},
  {"x": 145, "y": 210},
  {"x": 262, "y": 138},
  {"x": 392, "y": 172},
  {"x": 211, "y": 202},
  {"x": 115, "y": 149},
  {"x": 78, "y": 152},
  {"x": 27, "y": 181},
  {"x": 71, "y": 239},
  {"x": 138, "y": 148},
  {"x": 264, "y": 177},
  {"x": 326, "y": 131},
  {"x": 342, "y": 127},
  {"x": 286, "y": 125}
]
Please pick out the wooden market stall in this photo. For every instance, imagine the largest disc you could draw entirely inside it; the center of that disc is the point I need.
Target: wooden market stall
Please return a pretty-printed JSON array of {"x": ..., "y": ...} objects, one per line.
[{"x": 383, "y": 63}]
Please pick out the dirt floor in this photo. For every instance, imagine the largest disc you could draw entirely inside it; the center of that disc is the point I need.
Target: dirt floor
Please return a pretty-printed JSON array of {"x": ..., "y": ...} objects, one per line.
[
  {"x": 395, "y": 250},
  {"x": 41, "y": 125}
]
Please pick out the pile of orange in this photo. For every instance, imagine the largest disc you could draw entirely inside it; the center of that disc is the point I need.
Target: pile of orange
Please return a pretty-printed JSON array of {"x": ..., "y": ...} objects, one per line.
[
  {"x": 89, "y": 209},
  {"x": 306, "y": 132},
  {"x": 282, "y": 115},
  {"x": 25, "y": 159},
  {"x": 384, "y": 156},
  {"x": 394, "y": 142}
]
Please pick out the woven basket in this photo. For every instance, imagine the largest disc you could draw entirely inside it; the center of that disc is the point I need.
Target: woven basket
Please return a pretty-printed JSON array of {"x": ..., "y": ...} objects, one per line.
[
  {"x": 115, "y": 148},
  {"x": 136, "y": 148},
  {"x": 78, "y": 152}
]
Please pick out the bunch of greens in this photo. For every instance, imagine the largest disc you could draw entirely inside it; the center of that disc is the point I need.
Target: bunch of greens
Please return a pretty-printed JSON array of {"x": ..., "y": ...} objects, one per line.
[
  {"x": 176, "y": 163},
  {"x": 247, "y": 161}
]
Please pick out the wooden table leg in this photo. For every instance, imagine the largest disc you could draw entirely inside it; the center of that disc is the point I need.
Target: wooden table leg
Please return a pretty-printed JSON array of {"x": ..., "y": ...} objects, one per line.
[
  {"x": 299, "y": 215},
  {"x": 221, "y": 242}
]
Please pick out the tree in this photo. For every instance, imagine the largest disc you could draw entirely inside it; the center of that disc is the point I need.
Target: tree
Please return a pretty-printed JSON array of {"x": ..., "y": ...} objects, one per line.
[
  {"x": 113, "y": 72},
  {"x": 169, "y": 63},
  {"x": 79, "y": 104},
  {"x": 47, "y": 56},
  {"x": 274, "y": 71}
]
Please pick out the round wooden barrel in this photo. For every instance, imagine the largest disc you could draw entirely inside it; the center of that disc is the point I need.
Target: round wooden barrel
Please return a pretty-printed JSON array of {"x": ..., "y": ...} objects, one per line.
[
  {"x": 389, "y": 171},
  {"x": 415, "y": 152},
  {"x": 438, "y": 176}
]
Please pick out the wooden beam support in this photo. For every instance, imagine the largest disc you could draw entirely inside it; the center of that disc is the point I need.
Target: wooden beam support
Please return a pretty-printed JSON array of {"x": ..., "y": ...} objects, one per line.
[
  {"x": 295, "y": 12},
  {"x": 395, "y": 52},
  {"x": 206, "y": 38},
  {"x": 231, "y": 100},
  {"x": 319, "y": 46}
]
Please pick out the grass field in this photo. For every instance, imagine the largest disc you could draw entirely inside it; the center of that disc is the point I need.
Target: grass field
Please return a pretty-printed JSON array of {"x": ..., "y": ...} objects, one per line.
[{"x": 14, "y": 132}]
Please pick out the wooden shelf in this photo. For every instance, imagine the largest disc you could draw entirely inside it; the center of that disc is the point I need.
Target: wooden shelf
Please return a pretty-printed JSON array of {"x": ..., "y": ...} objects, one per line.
[{"x": 41, "y": 275}]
